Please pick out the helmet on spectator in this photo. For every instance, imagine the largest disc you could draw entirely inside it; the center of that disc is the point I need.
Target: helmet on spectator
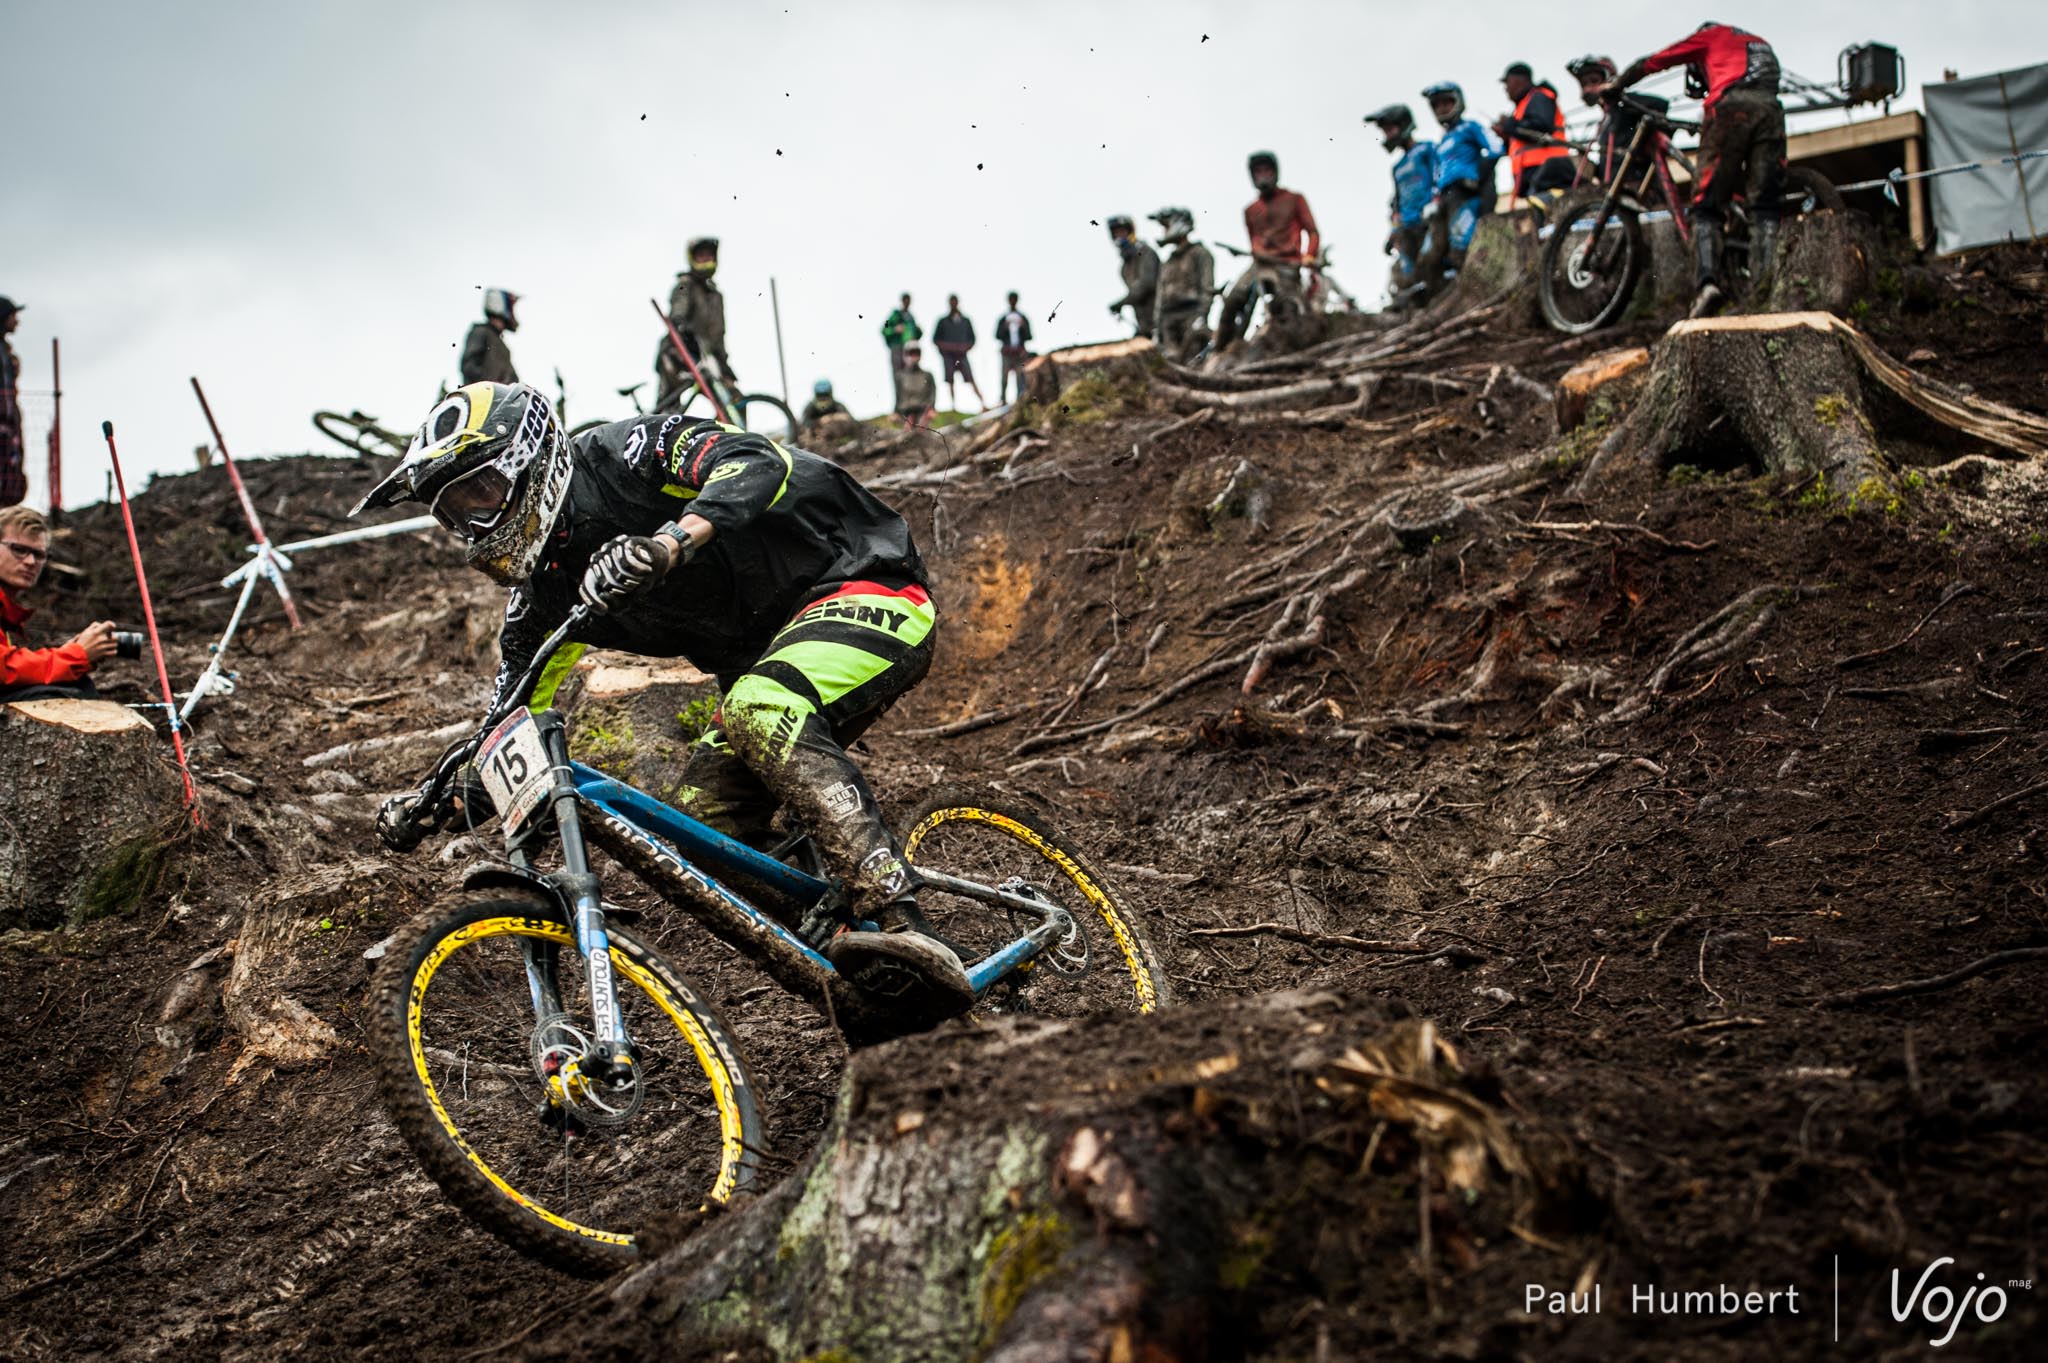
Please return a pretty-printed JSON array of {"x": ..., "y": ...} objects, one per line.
[
  {"x": 1446, "y": 91},
  {"x": 1395, "y": 121},
  {"x": 1271, "y": 164},
  {"x": 499, "y": 303},
  {"x": 1174, "y": 224},
  {"x": 822, "y": 388}
]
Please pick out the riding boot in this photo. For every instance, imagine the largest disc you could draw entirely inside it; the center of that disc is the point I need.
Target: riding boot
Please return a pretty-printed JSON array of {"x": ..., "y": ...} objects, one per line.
[
  {"x": 1708, "y": 294},
  {"x": 1763, "y": 249}
]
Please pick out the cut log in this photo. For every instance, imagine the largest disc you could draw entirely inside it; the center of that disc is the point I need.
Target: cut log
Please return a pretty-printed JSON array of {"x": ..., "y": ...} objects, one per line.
[
  {"x": 1046, "y": 377},
  {"x": 1584, "y": 380},
  {"x": 1113, "y": 1188},
  {"x": 89, "y": 809},
  {"x": 1806, "y": 393}
]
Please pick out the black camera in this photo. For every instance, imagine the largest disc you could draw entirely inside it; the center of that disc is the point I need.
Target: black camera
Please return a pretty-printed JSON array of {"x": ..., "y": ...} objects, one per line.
[{"x": 128, "y": 643}]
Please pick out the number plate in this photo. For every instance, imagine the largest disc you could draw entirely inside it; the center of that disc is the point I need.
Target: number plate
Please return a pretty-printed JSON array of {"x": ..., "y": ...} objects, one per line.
[{"x": 514, "y": 767}]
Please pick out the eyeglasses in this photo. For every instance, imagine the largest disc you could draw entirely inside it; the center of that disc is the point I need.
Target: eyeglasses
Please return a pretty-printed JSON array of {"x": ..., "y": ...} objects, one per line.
[
  {"x": 25, "y": 553},
  {"x": 473, "y": 504}
]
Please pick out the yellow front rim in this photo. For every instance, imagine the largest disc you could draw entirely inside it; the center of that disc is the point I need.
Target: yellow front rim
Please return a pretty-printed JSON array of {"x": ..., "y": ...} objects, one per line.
[
  {"x": 1126, "y": 939},
  {"x": 731, "y": 1147}
]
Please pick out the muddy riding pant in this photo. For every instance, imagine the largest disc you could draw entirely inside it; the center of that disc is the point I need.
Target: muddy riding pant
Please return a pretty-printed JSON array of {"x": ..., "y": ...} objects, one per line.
[
  {"x": 1742, "y": 151},
  {"x": 1450, "y": 232},
  {"x": 783, "y": 725},
  {"x": 1280, "y": 281}
]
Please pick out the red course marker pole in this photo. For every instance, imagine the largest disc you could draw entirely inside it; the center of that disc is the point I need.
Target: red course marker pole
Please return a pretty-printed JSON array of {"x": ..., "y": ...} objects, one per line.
[
  {"x": 248, "y": 507},
  {"x": 149, "y": 617},
  {"x": 56, "y": 441},
  {"x": 695, "y": 372}
]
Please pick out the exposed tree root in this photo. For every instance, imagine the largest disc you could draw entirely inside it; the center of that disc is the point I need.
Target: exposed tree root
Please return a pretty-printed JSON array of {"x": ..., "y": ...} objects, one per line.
[{"x": 1714, "y": 639}]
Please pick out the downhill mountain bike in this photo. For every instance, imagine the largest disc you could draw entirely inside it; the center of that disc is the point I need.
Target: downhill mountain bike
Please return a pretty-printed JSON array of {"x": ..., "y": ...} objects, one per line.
[
  {"x": 563, "y": 1082},
  {"x": 1594, "y": 250},
  {"x": 762, "y": 413}
]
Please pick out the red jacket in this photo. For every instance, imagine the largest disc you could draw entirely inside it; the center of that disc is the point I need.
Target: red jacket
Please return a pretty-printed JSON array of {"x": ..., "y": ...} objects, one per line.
[
  {"x": 34, "y": 666},
  {"x": 1277, "y": 225},
  {"x": 1726, "y": 56}
]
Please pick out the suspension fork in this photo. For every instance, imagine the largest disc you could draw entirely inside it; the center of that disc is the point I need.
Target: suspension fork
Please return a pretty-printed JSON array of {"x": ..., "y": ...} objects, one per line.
[{"x": 614, "y": 1050}]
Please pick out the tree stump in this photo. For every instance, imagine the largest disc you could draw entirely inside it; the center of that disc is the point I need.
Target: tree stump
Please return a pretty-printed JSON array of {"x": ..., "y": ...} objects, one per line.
[
  {"x": 1110, "y": 1188},
  {"x": 1046, "y": 377},
  {"x": 88, "y": 808},
  {"x": 1824, "y": 263},
  {"x": 1805, "y": 393}
]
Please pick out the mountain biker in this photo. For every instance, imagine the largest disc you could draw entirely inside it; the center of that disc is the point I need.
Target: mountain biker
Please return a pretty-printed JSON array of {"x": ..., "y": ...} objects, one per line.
[
  {"x": 899, "y": 329},
  {"x": 1618, "y": 127},
  {"x": 1281, "y": 229},
  {"x": 697, "y": 311},
  {"x": 1742, "y": 144},
  {"x": 769, "y": 567},
  {"x": 917, "y": 392},
  {"x": 1414, "y": 186},
  {"x": 485, "y": 356},
  {"x": 1464, "y": 184},
  {"x": 1140, "y": 271},
  {"x": 1187, "y": 285},
  {"x": 1538, "y": 159}
]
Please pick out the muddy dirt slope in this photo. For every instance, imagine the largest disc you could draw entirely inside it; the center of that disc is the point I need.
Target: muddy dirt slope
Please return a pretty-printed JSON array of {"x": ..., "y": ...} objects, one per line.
[{"x": 1654, "y": 794}]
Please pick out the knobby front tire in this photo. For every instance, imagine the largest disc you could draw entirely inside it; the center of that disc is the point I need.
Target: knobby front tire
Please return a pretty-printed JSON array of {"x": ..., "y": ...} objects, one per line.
[
  {"x": 990, "y": 842},
  {"x": 1587, "y": 284},
  {"x": 452, "y": 1025}
]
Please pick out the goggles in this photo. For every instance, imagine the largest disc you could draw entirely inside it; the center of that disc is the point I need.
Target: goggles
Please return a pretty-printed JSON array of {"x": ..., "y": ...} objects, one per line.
[{"x": 474, "y": 504}]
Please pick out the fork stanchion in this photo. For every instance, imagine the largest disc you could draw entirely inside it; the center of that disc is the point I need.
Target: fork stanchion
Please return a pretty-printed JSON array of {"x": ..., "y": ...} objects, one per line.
[
  {"x": 163, "y": 676},
  {"x": 676, "y": 338}
]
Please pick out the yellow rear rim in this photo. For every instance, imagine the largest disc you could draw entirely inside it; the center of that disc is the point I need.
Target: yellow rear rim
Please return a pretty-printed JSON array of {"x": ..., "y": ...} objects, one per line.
[{"x": 1126, "y": 939}]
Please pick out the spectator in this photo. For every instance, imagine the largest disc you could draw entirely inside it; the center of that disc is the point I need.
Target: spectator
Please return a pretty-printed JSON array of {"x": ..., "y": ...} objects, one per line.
[
  {"x": 1284, "y": 238},
  {"x": 898, "y": 330},
  {"x": 1538, "y": 158},
  {"x": 34, "y": 673},
  {"x": 485, "y": 356},
  {"x": 1187, "y": 286},
  {"x": 825, "y": 416},
  {"x": 954, "y": 336},
  {"x": 1618, "y": 127},
  {"x": 13, "y": 476},
  {"x": 1140, "y": 271},
  {"x": 696, "y": 309},
  {"x": 1013, "y": 338},
  {"x": 1464, "y": 182},
  {"x": 1742, "y": 144},
  {"x": 916, "y": 390},
  {"x": 1414, "y": 187}
]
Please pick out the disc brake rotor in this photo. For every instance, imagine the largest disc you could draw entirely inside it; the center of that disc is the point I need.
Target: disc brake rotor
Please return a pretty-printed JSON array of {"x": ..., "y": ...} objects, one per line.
[
  {"x": 1068, "y": 953},
  {"x": 560, "y": 1048}
]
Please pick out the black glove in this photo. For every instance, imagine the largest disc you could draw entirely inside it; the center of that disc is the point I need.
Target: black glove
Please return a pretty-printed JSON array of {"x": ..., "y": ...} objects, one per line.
[{"x": 623, "y": 568}]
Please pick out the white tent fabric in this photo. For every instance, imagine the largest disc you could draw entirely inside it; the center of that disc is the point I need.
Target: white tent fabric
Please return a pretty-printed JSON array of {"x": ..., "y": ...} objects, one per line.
[{"x": 1982, "y": 119}]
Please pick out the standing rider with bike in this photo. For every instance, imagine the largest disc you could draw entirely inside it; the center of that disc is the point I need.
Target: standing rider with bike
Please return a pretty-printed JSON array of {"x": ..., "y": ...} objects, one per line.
[
  {"x": 1464, "y": 186},
  {"x": 1742, "y": 144},
  {"x": 770, "y": 567},
  {"x": 1284, "y": 238},
  {"x": 1414, "y": 187},
  {"x": 697, "y": 310}
]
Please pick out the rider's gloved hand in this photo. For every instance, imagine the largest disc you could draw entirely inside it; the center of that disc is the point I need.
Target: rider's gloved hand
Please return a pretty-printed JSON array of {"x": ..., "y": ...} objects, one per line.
[
  {"x": 398, "y": 825},
  {"x": 623, "y": 568}
]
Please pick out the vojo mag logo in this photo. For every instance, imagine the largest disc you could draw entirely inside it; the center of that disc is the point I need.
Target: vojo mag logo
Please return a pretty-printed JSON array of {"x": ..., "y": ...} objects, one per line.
[{"x": 1940, "y": 1308}]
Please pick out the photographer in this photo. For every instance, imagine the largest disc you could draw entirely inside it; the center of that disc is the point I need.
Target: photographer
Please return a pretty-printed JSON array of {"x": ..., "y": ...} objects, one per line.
[{"x": 37, "y": 673}]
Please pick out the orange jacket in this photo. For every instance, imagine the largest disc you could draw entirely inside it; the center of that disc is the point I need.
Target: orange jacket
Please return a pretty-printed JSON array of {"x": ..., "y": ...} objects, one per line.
[
  {"x": 1524, "y": 154},
  {"x": 34, "y": 666}
]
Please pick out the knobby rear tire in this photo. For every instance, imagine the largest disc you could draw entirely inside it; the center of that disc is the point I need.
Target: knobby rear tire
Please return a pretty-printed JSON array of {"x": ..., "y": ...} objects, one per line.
[
  {"x": 520, "y": 1217},
  {"x": 1004, "y": 836}
]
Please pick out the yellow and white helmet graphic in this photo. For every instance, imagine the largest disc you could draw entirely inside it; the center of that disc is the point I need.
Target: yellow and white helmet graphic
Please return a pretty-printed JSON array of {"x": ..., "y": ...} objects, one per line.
[{"x": 491, "y": 462}]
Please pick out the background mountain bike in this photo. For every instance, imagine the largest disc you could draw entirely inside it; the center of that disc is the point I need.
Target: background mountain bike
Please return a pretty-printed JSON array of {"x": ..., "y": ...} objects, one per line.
[
  {"x": 762, "y": 413},
  {"x": 1595, "y": 252},
  {"x": 563, "y": 1082}
]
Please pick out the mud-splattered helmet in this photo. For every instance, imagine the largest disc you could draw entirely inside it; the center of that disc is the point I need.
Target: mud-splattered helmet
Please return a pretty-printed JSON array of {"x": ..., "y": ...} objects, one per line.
[
  {"x": 1175, "y": 224},
  {"x": 491, "y": 463}
]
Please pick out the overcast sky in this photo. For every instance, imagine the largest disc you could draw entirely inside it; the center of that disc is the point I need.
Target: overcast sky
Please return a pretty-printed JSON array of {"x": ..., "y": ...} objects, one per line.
[{"x": 299, "y": 202}]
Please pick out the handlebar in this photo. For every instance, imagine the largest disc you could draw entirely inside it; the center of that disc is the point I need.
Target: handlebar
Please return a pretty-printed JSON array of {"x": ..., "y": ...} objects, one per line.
[
  {"x": 460, "y": 753},
  {"x": 1656, "y": 116}
]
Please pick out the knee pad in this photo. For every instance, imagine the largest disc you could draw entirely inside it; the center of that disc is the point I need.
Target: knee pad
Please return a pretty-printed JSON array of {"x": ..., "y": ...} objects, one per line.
[{"x": 763, "y": 717}]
